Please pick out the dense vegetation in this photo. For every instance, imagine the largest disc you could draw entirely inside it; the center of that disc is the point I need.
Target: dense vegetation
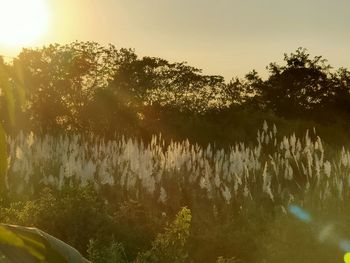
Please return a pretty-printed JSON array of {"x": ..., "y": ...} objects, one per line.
[
  {"x": 85, "y": 87},
  {"x": 134, "y": 159},
  {"x": 111, "y": 199}
]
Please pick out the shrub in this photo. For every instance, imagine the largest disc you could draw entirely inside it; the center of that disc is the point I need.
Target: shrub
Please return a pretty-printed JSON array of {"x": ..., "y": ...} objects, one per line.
[
  {"x": 98, "y": 253},
  {"x": 170, "y": 246},
  {"x": 73, "y": 215}
]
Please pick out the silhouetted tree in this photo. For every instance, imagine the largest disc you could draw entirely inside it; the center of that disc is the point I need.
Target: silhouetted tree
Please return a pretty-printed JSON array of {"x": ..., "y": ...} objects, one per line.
[
  {"x": 60, "y": 80},
  {"x": 340, "y": 98},
  {"x": 302, "y": 85},
  {"x": 84, "y": 86},
  {"x": 245, "y": 91},
  {"x": 152, "y": 80}
]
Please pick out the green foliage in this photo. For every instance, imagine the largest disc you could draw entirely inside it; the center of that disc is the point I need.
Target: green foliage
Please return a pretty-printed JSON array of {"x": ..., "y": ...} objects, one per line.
[
  {"x": 170, "y": 246},
  {"x": 90, "y": 89},
  {"x": 113, "y": 253},
  {"x": 241, "y": 219},
  {"x": 86, "y": 87},
  {"x": 75, "y": 216},
  {"x": 136, "y": 226}
]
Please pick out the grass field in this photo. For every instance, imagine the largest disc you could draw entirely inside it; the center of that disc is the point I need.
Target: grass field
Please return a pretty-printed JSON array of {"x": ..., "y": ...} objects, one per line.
[{"x": 240, "y": 198}]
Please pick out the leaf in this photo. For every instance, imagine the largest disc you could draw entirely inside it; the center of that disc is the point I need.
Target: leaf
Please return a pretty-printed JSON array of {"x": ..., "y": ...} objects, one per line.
[
  {"x": 38, "y": 245},
  {"x": 9, "y": 238}
]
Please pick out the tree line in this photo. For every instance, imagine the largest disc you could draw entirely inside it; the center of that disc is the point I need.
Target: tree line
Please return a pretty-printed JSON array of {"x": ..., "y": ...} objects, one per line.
[{"x": 86, "y": 87}]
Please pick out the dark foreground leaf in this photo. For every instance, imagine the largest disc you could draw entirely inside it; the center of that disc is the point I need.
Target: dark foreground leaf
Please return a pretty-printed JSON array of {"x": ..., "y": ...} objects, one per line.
[{"x": 26, "y": 245}]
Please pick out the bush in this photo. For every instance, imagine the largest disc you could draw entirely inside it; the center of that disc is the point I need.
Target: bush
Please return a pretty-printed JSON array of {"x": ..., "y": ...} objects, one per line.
[
  {"x": 73, "y": 215},
  {"x": 171, "y": 245},
  {"x": 98, "y": 253}
]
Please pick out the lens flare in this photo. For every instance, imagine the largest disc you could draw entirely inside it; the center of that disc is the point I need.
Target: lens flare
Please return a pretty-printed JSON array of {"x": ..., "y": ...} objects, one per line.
[
  {"x": 325, "y": 233},
  {"x": 344, "y": 245},
  {"x": 299, "y": 213},
  {"x": 347, "y": 257}
]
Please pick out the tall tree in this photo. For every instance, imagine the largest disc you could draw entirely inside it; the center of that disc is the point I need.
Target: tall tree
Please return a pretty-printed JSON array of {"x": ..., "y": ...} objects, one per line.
[
  {"x": 302, "y": 85},
  {"x": 59, "y": 80}
]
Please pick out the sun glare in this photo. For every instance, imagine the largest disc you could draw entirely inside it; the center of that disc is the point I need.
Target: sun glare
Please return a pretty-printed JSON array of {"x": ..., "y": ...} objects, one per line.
[{"x": 22, "y": 21}]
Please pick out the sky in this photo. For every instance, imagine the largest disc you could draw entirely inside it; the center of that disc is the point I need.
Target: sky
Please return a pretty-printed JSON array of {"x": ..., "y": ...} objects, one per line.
[{"x": 222, "y": 37}]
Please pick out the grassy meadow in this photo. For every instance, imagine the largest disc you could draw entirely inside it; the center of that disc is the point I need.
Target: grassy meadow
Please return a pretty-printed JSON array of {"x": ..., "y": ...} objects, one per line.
[
  {"x": 123, "y": 200},
  {"x": 138, "y": 159}
]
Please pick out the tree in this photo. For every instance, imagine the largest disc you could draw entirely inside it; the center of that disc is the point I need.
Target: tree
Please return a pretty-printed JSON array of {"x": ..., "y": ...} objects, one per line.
[
  {"x": 341, "y": 90},
  {"x": 244, "y": 91},
  {"x": 60, "y": 80},
  {"x": 171, "y": 245},
  {"x": 149, "y": 80},
  {"x": 302, "y": 85}
]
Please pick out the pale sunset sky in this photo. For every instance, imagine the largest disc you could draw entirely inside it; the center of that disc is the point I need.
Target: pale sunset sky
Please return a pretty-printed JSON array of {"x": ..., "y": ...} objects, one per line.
[{"x": 223, "y": 37}]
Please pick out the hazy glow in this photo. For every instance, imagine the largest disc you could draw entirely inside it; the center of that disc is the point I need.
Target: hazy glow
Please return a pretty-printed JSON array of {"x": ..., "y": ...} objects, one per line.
[
  {"x": 22, "y": 21},
  {"x": 226, "y": 37}
]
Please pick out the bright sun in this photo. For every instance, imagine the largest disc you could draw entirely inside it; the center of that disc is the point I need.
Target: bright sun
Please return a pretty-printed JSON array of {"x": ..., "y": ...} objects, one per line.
[{"x": 22, "y": 21}]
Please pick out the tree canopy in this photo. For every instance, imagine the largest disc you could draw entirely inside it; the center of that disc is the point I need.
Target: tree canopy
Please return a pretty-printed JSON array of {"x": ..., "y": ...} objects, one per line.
[{"x": 88, "y": 87}]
